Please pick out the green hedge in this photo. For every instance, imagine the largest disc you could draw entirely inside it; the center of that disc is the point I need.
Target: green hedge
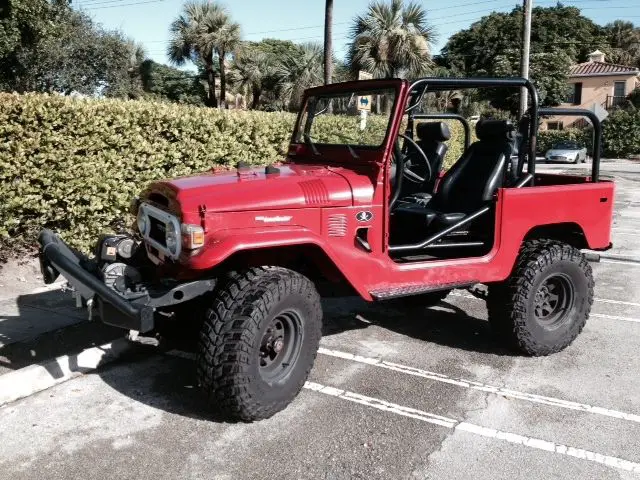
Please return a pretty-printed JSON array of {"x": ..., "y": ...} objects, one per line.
[
  {"x": 74, "y": 165},
  {"x": 620, "y": 135},
  {"x": 547, "y": 138}
]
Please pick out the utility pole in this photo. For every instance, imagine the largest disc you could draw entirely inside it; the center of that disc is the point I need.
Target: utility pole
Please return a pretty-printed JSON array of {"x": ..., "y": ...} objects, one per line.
[
  {"x": 524, "y": 59},
  {"x": 328, "y": 47}
]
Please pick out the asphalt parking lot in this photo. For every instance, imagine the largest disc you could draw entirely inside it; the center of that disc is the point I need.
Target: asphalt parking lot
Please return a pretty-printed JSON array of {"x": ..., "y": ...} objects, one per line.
[{"x": 420, "y": 393}]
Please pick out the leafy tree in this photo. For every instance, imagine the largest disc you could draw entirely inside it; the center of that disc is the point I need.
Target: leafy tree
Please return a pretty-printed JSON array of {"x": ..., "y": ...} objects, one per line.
[
  {"x": 624, "y": 43},
  {"x": 473, "y": 50},
  {"x": 203, "y": 31},
  {"x": 548, "y": 71},
  {"x": 297, "y": 72},
  {"x": 391, "y": 40},
  {"x": 62, "y": 50},
  {"x": 165, "y": 82}
]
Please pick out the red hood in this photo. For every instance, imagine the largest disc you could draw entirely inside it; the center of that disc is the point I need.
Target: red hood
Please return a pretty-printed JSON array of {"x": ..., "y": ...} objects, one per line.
[{"x": 295, "y": 186}]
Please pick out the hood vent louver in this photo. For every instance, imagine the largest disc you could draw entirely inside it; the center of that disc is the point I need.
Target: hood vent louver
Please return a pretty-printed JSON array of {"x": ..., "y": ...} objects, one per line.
[{"x": 315, "y": 192}]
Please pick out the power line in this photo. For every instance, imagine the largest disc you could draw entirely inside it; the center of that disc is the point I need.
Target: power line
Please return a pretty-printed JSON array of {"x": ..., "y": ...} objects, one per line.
[{"x": 125, "y": 5}]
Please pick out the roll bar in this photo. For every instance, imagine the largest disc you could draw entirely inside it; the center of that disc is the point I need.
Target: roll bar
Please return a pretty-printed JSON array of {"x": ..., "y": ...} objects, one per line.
[
  {"x": 597, "y": 133},
  {"x": 419, "y": 87}
]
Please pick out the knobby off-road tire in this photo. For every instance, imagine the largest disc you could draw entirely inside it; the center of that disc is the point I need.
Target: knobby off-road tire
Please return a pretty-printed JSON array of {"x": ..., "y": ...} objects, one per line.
[
  {"x": 543, "y": 306},
  {"x": 258, "y": 342}
]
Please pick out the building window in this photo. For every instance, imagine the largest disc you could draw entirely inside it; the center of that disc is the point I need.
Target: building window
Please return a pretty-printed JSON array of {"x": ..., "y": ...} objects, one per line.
[
  {"x": 555, "y": 125},
  {"x": 619, "y": 89},
  {"x": 575, "y": 95}
]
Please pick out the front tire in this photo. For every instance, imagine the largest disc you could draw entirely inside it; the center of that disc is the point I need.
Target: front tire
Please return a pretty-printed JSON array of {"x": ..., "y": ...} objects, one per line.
[
  {"x": 258, "y": 342},
  {"x": 543, "y": 306}
]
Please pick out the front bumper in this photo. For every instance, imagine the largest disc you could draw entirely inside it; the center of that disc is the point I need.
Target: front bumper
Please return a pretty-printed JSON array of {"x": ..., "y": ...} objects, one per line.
[{"x": 131, "y": 311}]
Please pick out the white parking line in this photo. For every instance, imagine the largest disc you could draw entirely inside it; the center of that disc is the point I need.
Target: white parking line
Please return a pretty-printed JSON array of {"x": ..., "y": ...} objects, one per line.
[
  {"x": 473, "y": 385},
  {"x": 620, "y": 262},
  {"x": 452, "y": 423},
  {"x": 615, "y": 317}
]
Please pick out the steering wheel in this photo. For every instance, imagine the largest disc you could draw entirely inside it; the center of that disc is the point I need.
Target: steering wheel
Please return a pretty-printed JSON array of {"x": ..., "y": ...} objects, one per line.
[{"x": 414, "y": 172}]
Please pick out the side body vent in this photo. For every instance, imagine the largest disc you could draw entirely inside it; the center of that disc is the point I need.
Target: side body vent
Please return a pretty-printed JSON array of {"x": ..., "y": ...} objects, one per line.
[
  {"x": 315, "y": 192},
  {"x": 337, "y": 225}
]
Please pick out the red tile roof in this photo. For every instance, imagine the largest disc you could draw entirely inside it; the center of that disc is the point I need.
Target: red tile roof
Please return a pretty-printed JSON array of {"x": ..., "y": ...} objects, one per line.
[{"x": 600, "y": 68}]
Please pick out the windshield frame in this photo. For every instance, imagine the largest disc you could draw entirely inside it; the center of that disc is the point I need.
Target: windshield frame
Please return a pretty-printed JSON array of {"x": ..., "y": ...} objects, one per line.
[{"x": 345, "y": 89}]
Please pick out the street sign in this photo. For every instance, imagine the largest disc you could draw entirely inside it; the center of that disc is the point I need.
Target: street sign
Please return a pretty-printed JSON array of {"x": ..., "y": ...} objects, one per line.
[
  {"x": 600, "y": 112},
  {"x": 364, "y": 102}
]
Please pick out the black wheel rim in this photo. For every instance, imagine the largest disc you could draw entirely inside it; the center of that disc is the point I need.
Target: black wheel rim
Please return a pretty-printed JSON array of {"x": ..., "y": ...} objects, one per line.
[
  {"x": 553, "y": 301},
  {"x": 280, "y": 346}
]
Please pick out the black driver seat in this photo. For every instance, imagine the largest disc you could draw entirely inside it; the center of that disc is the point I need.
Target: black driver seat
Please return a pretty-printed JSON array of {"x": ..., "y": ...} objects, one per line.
[
  {"x": 431, "y": 138},
  {"x": 469, "y": 184}
]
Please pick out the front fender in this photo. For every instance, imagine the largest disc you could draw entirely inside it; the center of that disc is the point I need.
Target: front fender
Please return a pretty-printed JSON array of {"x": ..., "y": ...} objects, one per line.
[{"x": 225, "y": 243}]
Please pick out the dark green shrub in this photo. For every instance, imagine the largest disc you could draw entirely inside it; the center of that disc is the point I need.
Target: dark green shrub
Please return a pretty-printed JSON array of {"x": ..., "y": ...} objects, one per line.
[{"x": 622, "y": 133}]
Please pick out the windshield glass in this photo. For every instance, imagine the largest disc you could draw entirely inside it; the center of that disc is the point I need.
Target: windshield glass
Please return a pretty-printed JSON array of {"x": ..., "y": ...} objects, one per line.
[
  {"x": 566, "y": 146},
  {"x": 355, "y": 118}
]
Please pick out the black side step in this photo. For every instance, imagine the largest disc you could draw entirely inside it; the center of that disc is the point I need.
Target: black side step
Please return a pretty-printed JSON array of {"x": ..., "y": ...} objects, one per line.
[{"x": 416, "y": 289}]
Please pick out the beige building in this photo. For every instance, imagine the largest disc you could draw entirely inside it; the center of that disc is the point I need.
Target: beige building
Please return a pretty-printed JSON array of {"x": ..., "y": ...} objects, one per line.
[{"x": 595, "y": 84}]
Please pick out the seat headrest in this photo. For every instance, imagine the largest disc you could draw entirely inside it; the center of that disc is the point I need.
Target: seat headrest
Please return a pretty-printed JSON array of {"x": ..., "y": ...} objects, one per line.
[
  {"x": 495, "y": 129},
  {"x": 436, "y": 131}
]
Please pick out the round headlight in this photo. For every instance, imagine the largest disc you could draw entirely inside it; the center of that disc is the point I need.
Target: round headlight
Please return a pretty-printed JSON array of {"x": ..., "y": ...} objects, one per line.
[
  {"x": 143, "y": 222},
  {"x": 171, "y": 239}
]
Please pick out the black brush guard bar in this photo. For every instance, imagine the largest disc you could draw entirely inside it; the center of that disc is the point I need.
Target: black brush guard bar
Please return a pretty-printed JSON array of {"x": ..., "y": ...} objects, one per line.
[
  {"x": 73, "y": 266},
  {"x": 133, "y": 312}
]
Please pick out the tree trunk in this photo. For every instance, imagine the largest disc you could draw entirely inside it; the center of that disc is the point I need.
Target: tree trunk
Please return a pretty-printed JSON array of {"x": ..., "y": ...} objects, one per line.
[
  {"x": 211, "y": 82},
  {"x": 223, "y": 81},
  {"x": 328, "y": 47},
  {"x": 255, "y": 103}
]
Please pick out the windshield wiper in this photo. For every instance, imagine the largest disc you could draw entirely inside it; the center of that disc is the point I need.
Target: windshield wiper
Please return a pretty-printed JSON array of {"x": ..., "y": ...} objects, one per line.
[
  {"x": 352, "y": 152},
  {"x": 308, "y": 141}
]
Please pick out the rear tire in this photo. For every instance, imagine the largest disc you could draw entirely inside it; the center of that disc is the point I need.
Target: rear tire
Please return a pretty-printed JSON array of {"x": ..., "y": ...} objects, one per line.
[
  {"x": 543, "y": 306},
  {"x": 258, "y": 342}
]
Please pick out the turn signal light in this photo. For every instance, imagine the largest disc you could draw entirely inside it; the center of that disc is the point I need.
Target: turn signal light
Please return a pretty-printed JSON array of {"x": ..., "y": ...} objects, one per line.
[{"x": 192, "y": 236}]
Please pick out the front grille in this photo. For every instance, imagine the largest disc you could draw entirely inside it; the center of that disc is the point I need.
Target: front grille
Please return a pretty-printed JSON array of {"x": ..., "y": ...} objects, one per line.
[
  {"x": 159, "y": 222},
  {"x": 157, "y": 231}
]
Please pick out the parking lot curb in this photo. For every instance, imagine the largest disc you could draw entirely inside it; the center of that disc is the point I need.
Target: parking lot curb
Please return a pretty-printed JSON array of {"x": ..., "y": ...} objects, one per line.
[{"x": 36, "y": 378}]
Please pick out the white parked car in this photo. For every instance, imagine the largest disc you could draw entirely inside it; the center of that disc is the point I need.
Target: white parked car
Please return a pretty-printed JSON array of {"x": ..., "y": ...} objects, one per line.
[{"x": 566, "y": 151}]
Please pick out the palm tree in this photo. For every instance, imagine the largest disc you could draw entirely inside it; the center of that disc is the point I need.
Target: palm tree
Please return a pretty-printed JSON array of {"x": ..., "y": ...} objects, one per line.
[
  {"x": 204, "y": 31},
  {"x": 250, "y": 71},
  {"x": 391, "y": 40},
  {"x": 328, "y": 47},
  {"x": 297, "y": 72}
]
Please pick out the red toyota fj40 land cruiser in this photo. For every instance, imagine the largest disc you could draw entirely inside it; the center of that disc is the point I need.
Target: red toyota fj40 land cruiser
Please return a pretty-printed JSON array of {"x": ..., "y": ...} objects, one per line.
[{"x": 248, "y": 252}]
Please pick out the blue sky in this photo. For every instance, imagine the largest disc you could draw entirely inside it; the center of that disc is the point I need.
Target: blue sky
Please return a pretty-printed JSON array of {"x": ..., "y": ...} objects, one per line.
[{"x": 147, "y": 21}]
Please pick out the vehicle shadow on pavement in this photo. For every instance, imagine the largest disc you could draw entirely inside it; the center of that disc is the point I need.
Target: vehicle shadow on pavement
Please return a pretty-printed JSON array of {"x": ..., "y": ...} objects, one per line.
[
  {"x": 168, "y": 381},
  {"x": 443, "y": 324},
  {"x": 40, "y": 326}
]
